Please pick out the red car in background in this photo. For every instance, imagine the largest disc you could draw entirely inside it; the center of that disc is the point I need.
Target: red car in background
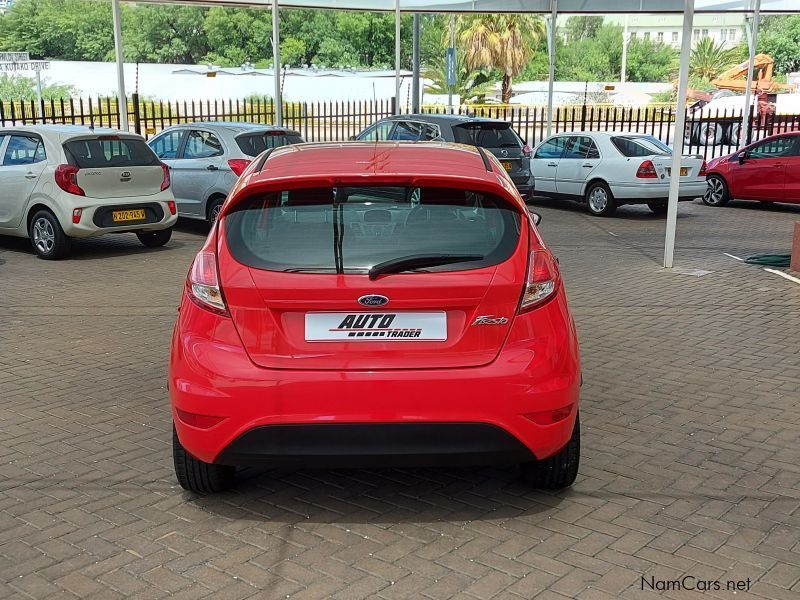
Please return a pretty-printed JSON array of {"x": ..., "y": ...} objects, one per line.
[
  {"x": 373, "y": 304},
  {"x": 767, "y": 170}
]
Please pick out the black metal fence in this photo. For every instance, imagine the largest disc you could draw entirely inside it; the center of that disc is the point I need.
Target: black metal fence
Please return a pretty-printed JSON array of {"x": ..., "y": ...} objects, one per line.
[{"x": 708, "y": 133}]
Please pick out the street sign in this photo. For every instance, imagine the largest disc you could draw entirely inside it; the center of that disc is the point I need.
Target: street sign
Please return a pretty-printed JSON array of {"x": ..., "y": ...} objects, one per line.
[
  {"x": 11, "y": 62},
  {"x": 451, "y": 66}
]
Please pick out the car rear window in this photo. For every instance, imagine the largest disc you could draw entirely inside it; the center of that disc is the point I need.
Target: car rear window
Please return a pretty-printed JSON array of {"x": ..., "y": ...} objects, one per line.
[
  {"x": 307, "y": 230},
  {"x": 487, "y": 135},
  {"x": 109, "y": 152},
  {"x": 640, "y": 146},
  {"x": 253, "y": 144}
]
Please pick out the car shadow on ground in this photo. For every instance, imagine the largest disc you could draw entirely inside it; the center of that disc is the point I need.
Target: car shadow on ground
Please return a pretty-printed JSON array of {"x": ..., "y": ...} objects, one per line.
[
  {"x": 631, "y": 212},
  {"x": 93, "y": 248},
  {"x": 764, "y": 206},
  {"x": 379, "y": 495},
  {"x": 193, "y": 226}
]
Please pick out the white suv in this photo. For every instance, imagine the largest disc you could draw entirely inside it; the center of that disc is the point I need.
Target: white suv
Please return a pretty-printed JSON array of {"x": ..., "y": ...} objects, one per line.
[{"x": 60, "y": 182}]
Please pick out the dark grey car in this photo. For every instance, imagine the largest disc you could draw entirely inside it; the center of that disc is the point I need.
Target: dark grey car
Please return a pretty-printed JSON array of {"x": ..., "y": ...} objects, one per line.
[{"x": 496, "y": 136}]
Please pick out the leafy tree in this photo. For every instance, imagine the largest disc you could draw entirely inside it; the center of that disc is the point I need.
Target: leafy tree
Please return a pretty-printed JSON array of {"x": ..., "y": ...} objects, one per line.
[
  {"x": 709, "y": 59},
  {"x": 780, "y": 38},
  {"x": 651, "y": 61},
  {"x": 293, "y": 52},
  {"x": 470, "y": 86},
  {"x": 19, "y": 87},
  {"x": 236, "y": 36},
  {"x": 170, "y": 34},
  {"x": 582, "y": 28},
  {"x": 500, "y": 41}
]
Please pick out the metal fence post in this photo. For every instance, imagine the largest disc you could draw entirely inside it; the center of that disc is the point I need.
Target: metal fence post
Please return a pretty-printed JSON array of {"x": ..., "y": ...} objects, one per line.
[
  {"x": 750, "y": 128},
  {"x": 394, "y": 105},
  {"x": 137, "y": 119}
]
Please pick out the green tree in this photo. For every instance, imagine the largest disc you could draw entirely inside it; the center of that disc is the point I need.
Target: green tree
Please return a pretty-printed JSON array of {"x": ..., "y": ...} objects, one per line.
[
  {"x": 470, "y": 86},
  {"x": 651, "y": 61},
  {"x": 169, "y": 34},
  {"x": 293, "y": 52},
  {"x": 499, "y": 41},
  {"x": 236, "y": 36},
  {"x": 582, "y": 28},
  {"x": 19, "y": 87},
  {"x": 709, "y": 59},
  {"x": 780, "y": 39}
]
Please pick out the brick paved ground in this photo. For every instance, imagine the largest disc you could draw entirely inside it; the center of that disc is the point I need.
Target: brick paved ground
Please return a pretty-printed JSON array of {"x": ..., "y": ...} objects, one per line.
[{"x": 691, "y": 423}]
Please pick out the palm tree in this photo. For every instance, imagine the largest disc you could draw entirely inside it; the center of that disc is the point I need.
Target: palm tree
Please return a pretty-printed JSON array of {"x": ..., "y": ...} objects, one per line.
[
  {"x": 470, "y": 85},
  {"x": 709, "y": 59},
  {"x": 500, "y": 41}
]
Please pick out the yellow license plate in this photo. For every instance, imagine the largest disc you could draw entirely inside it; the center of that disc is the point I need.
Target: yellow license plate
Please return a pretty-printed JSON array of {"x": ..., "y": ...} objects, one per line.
[
  {"x": 120, "y": 216},
  {"x": 507, "y": 165},
  {"x": 684, "y": 171}
]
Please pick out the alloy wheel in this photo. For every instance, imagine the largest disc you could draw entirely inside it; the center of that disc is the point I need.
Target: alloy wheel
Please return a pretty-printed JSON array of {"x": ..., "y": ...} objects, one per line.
[
  {"x": 44, "y": 237},
  {"x": 715, "y": 193},
  {"x": 598, "y": 200}
]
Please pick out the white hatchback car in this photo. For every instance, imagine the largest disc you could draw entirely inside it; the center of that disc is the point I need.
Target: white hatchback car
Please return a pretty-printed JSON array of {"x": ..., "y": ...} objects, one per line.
[
  {"x": 63, "y": 181},
  {"x": 608, "y": 169}
]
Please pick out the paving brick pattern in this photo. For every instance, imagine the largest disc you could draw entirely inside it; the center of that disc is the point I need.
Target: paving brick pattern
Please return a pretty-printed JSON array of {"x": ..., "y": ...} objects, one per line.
[{"x": 691, "y": 421}]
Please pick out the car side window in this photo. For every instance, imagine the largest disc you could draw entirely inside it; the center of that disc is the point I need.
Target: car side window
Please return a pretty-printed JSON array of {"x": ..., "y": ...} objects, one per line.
[
  {"x": 781, "y": 146},
  {"x": 23, "y": 150},
  {"x": 378, "y": 132},
  {"x": 581, "y": 147},
  {"x": 552, "y": 148},
  {"x": 202, "y": 144},
  {"x": 167, "y": 144},
  {"x": 415, "y": 131},
  {"x": 592, "y": 151}
]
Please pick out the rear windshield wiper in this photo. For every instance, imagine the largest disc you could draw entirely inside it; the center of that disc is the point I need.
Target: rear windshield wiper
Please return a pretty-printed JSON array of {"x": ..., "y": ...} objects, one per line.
[{"x": 416, "y": 261}]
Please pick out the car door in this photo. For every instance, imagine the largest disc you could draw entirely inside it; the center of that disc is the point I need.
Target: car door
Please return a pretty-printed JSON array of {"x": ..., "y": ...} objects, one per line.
[
  {"x": 791, "y": 190},
  {"x": 23, "y": 161},
  {"x": 167, "y": 147},
  {"x": 544, "y": 164},
  {"x": 197, "y": 170},
  {"x": 579, "y": 160},
  {"x": 761, "y": 172}
]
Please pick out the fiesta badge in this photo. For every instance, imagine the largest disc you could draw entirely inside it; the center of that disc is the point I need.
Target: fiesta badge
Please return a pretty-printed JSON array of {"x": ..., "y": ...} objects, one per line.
[{"x": 373, "y": 300}]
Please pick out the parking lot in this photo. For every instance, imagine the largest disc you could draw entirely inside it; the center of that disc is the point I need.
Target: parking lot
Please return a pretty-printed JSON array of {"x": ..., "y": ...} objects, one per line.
[{"x": 690, "y": 412}]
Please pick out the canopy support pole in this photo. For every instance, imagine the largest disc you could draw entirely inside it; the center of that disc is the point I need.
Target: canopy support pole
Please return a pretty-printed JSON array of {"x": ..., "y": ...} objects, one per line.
[
  {"x": 678, "y": 135},
  {"x": 625, "y": 40},
  {"x": 276, "y": 63},
  {"x": 122, "y": 99},
  {"x": 415, "y": 59},
  {"x": 453, "y": 46},
  {"x": 397, "y": 56},
  {"x": 551, "y": 51},
  {"x": 748, "y": 90}
]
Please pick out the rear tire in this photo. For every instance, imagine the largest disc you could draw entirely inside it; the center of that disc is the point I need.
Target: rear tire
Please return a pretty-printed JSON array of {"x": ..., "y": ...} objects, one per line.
[
  {"x": 710, "y": 134},
  {"x": 560, "y": 470},
  {"x": 658, "y": 208},
  {"x": 214, "y": 206},
  {"x": 47, "y": 237},
  {"x": 198, "y": 476},
  {"x": 155, "y": 239},
  {"x": 600, "y": 201},
  {"x": 717, "y": 193}
]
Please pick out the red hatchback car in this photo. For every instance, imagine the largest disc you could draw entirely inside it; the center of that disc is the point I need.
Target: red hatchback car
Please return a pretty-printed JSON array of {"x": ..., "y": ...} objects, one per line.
[
  {"x": 768, "y": 170},
  {"x": 374, "y": 304}
]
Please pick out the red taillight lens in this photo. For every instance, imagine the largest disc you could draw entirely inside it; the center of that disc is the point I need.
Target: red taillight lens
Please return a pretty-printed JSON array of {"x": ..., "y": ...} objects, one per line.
[
  {"x": 171, "y": 206},
  {"x": 647, "y": 171},
  {"x": 542, "y": 280},
  {"x": 202, "y": 285},
  {"x": 703, "y": 170},
  {"x": 198, "y": 420},
  {"x": 527, "y": 150},
  {"x": 76, "y": 215},
  {"x": 238, "y": 165},
  {"x": 67, "y": 179},
  {"x": 165, "y": 182},
  {"x": 549, "y": 417}
]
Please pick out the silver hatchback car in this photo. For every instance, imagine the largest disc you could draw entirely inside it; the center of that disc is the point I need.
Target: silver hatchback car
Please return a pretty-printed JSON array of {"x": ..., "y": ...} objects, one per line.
[{"x": 206, "y": 158}]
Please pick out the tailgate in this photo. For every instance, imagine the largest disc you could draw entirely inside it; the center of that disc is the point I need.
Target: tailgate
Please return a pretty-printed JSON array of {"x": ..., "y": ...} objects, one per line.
[{"x": 293, "y": 310}]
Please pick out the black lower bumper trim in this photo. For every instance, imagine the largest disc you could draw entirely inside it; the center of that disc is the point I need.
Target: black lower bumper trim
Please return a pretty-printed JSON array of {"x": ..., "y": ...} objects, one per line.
[{"x": 374, "y": 445}]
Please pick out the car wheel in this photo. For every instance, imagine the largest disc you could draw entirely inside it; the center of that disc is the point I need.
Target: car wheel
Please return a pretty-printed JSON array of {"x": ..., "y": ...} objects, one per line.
[
  {"x": 710, "y": 134},
  {"x": 658, "y": 208},
  {"x": 560, "y": 470},
  {"x": 213, "y": 210},
  {"x": 47, "y": 237},
  {"x": 734, "y": 133},
  {"x": 155, "y": 239},
  {"x": 717, "y": 191},
  {"x": 600, "y": 200},
  {"x": 198, "y": 476}
]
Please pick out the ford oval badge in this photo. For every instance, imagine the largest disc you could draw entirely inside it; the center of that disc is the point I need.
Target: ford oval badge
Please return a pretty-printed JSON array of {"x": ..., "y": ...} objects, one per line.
[{"x": 373, "y": 300}]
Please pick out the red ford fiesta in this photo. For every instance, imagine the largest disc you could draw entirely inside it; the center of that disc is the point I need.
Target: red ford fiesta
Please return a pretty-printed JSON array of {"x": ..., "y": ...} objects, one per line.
[{"x": 367, "y": 304}]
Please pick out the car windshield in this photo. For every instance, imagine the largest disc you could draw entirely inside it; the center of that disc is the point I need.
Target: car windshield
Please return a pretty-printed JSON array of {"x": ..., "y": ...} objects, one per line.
[
  {"x": 645, "y": 145},
  {"x": 253, "y": 144},
  {"x": 109, "y": 151},
  {"x": 487, "y": 135},
  {"x": 352, "y": 229}
]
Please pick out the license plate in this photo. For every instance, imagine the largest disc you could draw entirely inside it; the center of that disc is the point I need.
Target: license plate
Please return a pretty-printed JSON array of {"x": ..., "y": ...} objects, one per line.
[
  {"x": 376, "y": 327},
  {"x": 507, "y": 164},
  {"x": 684, "y": 171},
  {"x": 120, "y": 216}
]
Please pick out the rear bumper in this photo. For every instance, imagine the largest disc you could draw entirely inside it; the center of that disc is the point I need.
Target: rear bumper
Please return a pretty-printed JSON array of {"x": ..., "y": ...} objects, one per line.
[
  {"x": 491, "y": 413},
  {"x": 96, "y": 214},
  {"x": 629, "y": 193}
]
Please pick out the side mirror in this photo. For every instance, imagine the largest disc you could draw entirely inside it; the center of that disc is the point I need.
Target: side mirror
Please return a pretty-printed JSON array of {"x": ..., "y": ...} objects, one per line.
[
  {"x": 537, "y": 218},
  {"x": 743, "y": 156},
  {"x": 352, "y": 138}
]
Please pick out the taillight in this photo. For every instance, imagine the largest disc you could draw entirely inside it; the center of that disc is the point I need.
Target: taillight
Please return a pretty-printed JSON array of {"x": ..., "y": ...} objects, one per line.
[
  {"x": 76, "y": 215},
  {"x": 67, "y": 179},
  {"x": 703, "y": 170},
  {"x": 202, "y": 285},
  {"x": 171, "y": 206},
  {"x": 647, "y": 171},
  {"x": 238, "y": 165},
  {"x": 165, "y": 182},
  {"x": 541, "y": 281},
  {"x": 527, "y": 150}
]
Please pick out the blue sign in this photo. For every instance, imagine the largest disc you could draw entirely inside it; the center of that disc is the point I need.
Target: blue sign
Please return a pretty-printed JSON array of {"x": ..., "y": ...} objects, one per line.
[{"x": 451, "y": 66}]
